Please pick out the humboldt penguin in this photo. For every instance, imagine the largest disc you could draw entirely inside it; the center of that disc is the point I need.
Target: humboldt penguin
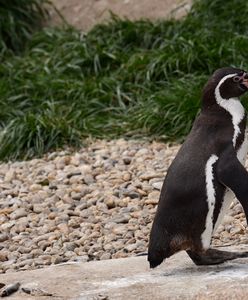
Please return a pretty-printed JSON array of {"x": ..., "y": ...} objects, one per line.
[{"x": 205, "y": 175}]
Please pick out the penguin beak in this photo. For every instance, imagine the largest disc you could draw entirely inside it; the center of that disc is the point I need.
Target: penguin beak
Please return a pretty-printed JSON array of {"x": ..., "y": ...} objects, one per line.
[{"x": 245, "y": 82}]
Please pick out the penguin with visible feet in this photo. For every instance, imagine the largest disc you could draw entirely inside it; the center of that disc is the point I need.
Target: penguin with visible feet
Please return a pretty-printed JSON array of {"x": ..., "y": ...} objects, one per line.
[{"x": 204, "y": 176}]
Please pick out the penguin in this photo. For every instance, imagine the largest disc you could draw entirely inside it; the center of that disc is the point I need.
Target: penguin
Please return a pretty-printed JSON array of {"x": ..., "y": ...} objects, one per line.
[{"x": 205, "y": 175}]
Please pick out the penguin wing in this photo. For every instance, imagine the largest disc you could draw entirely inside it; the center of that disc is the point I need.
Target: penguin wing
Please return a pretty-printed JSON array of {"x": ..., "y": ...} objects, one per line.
[{"x": 232, "y": 174}]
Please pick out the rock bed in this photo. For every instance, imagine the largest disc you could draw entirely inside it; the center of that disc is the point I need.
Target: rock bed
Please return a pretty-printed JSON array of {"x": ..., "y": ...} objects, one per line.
[{"x": 97, "y": 203}]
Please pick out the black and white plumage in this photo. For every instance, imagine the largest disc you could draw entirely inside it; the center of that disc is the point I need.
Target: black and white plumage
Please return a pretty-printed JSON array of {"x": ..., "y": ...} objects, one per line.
[{"x": 206, "y": 172}]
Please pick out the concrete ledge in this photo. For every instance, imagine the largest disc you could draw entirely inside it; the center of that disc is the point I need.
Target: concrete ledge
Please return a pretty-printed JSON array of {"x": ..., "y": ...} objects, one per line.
[{"x": 131, "y": 278}]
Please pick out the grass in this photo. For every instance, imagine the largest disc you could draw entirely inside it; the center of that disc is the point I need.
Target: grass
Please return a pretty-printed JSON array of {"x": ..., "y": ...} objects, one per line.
[
  {"x": 18, "y": 20},
  {"x": 121, "y": 79}
]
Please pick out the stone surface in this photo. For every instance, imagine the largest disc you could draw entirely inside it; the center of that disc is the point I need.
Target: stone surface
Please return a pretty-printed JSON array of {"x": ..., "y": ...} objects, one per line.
[
  {"x": 131, "y": 278},
  {"x": 86, "y": 13}
]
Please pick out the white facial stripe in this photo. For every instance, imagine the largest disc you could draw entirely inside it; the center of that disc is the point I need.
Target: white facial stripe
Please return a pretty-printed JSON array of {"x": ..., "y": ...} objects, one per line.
[
  {"x": 207, "y": 233},
  {"x": 233, "y": 106},
  {"x": 217, "y": 89}
]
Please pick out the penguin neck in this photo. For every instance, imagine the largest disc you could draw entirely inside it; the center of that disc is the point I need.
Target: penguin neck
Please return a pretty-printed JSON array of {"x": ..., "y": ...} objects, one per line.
[
  {"x": 213, "y": 101},
  {"x": 234, "y": 107}
]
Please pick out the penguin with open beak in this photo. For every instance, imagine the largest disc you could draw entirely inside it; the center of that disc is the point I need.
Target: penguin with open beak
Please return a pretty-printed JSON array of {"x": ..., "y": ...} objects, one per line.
[{"x": 205, "y": 175}]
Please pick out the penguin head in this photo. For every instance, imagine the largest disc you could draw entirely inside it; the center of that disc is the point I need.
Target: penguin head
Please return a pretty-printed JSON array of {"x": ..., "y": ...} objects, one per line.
[{"x": 226, "y": 83}]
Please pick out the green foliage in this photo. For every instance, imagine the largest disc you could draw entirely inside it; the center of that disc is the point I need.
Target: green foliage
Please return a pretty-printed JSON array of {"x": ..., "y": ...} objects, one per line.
[
  {"x": 18, "y": 20},
  {"x": 122, "y": 78}
]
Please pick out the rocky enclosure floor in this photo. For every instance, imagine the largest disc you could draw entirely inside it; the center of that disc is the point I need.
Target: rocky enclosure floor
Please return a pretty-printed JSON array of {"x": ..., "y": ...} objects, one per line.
[{"x": 95, "y": 204}]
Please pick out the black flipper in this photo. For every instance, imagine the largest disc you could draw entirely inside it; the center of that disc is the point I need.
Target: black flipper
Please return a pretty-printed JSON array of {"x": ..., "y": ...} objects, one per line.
[
  {"x": 214, "y": 256},
  {"x": 233, "y": 175}
]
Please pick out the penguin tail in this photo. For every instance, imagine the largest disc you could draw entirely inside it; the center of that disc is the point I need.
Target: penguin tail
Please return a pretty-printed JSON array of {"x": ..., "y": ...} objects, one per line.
[
  {"x": 156, "y": 257},
  {"x": 154, "y": 261},
  {"x": 159, "y": 247}
]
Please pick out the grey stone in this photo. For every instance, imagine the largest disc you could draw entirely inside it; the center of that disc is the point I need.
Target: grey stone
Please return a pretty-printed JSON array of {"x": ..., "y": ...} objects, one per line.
[
  {"x": 130, "y": 247},
  {"x": 57, "y": 259},
  {"x": 18, "y": 213},
  {"x": 157, "y": 185},
  {"x": 105, "y": 256},
  {"x": 150, "y": 175},
  {"x": 70, "y": 246},
  {"x": 4, "y": 237},
  {"x": 127, "y": 160},
  {"x": 37, "y": 208},
  {"x": 76, "y": 196},
  {"x": 23, "y": 249},
  {"x": 120, "y": 219},
  {"x": 110, "y": 201},
  {"x": 69, "y": 254}
]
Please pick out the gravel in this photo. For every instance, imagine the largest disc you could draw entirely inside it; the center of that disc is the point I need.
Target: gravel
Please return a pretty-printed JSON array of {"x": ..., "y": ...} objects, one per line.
[{"x": 94, "y": 204}]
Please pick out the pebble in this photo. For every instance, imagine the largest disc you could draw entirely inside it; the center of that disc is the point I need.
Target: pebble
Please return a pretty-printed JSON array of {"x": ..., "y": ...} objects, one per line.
[
  {"x": 153, "y": 198},
  {"x": 130, "y": 247},
  {"x": 97, "y": 203},
  {"x": 151, "y": 175},
  {"x": 4, "y": 237},
  {"x": 105, "y": 256},
  {"x": 63, "y": 227},
  {"x": 127, "y": 160},
  {"x": 120, "y": 219},
  {"x": 37, "y": 208},
  {"x": 110, "y": 202},
  {"x": 18, "y": 213},
  {"x": 3, "y": 256},
  {"x": 157, "y": 185},
  {"x": 70, "y": 246}
]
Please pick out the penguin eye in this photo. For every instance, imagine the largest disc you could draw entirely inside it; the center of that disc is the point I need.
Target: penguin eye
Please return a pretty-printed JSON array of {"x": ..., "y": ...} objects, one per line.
[{"x": 236, "y": 79}]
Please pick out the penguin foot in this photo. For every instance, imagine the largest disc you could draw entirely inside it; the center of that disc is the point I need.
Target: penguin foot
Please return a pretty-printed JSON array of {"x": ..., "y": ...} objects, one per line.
[{"x": 214, "y": 256}]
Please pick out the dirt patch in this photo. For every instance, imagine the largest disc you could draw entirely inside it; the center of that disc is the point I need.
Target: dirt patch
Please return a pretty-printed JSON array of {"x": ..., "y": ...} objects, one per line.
[{"x": 84, "y": 14}]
